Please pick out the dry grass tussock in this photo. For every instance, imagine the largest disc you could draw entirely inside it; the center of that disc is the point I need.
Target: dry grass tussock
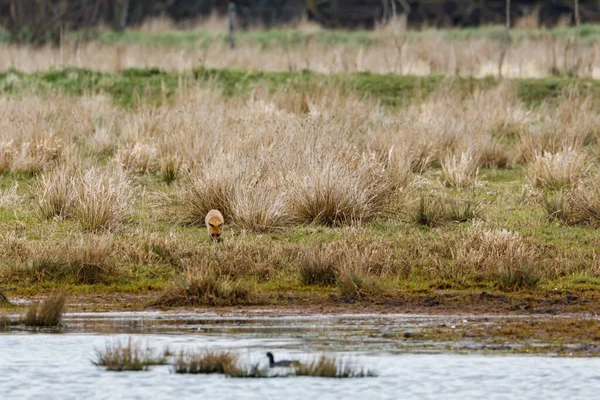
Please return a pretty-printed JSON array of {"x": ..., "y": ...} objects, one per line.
[
  {"x": 579, "y": 205},
  {"x": 429, "y": 53},
  {"x": 128, "y": 356},
  {"x": 103, "y": 199},
  {"x": 432, "y": 208},
  {"x": 56, "y": 191},
  {"x": 9, "y": 197},
  {"x": 354, "y": 265},
  {"x": 460, "y": 172},
  {"x": 512, "y": 260},
  {"x": 47, "y": 314},
  {"x": 331, "y": 367},
  {"x": 90, "y": 259},
  {"x": 250, "y": 201},
  {"x": 139, "y": 158},
  {"x": 206, "y": 362},
  {"x": 316, "y": 266},
  {"x": 460, "y": 134},
  {"x": 209, "y": 189},
  {"x": 565, "y": 168},
  {"x": 262, "y": 207},
  {"x": 98, "y": 198},
  {"x": 331, "y": 192},
  {"x": 83, "y": 259},
  {"x": 36, "y": 134},
  {"x": 200, "y": 285}
]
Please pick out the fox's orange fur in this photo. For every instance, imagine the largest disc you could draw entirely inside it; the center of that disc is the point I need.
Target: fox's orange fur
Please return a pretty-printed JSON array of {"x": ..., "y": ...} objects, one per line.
[{"x": 214, "y": 223}]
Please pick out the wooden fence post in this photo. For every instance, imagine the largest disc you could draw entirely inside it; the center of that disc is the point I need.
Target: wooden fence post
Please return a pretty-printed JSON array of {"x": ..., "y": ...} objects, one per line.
[
  {"x": 506, "y": 40},
  {"x": 231, "y": 15}
]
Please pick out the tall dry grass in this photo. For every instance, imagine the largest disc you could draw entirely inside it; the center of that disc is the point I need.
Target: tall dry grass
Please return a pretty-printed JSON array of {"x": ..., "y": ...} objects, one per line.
[
  {"x": 206, "y": 362},
  {"x": 432, "y": 209},
  {"x": 331, "y": 367},
  {"x": 103, "y": 199},
  {"x": 56, "y": 191},
  {"x": 46, "y": 314},
  {"x": 203, "y": 284},
  {"x": 565, "y": 168},
  {"x": 333, "y": 192},
  {"x": 284, "y": 168},
  {"x": 127, "y": 356},
  {"x": 354, "y": 265},
  {"x": 9, "y": 198},
  {"x": 91, "y": 259},
  {"x": 460, "y": 172},
  {"x": 428, "y": 53},
  {"x": 579, "y": 205},
  {"x": 99, "y": 198},
  {"x": 326, "y": 157},
  {"x": 512, "y": 260}
]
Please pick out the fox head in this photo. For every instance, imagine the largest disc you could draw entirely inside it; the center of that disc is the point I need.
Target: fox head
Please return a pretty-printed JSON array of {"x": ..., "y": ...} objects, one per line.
[
  {"x": 215, "y": 229},
  {"x": 214, "y": 225}
]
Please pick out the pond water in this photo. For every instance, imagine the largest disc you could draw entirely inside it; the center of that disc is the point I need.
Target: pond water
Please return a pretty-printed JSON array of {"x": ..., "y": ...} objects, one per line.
[{"x": 59, "y": 365}]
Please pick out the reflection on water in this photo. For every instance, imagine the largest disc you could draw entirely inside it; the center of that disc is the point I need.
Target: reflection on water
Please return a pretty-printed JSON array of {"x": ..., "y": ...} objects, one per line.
[{"x": 58, "y": 366}]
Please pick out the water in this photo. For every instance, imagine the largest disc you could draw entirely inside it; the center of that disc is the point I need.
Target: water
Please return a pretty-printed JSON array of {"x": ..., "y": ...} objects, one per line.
[{"x": 58, "y": 366}]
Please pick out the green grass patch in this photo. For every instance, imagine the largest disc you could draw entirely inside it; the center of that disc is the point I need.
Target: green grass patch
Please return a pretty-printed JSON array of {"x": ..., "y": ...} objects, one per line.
[
  {"x": 152, "y": 85},
  {"x": 291, "y": 38}
]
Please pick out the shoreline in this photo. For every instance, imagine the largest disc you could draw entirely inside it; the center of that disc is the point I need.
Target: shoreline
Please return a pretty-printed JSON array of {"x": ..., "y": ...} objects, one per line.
[{"x": 468, "y": 302}]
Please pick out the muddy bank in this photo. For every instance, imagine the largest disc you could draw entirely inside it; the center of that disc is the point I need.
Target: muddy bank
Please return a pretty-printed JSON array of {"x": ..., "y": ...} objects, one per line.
[{"x": 302, "y": 303}]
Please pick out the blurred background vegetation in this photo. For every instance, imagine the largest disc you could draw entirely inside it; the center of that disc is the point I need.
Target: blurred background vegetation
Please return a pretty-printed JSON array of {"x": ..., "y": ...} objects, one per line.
[{"x": 44, "y": 21}]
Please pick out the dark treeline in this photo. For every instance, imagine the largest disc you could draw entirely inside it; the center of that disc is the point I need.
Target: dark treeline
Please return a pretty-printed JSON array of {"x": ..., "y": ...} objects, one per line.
[{"x": 39, "y": 21}]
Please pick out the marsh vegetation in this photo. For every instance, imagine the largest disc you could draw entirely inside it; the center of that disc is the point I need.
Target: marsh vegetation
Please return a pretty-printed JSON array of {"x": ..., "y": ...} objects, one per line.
[
  {"x": 228, "y": 363},
  {"x": 346, "y": 186},
  {"x": 130, "y": 355},
  {"x": 46, "y": 314}
]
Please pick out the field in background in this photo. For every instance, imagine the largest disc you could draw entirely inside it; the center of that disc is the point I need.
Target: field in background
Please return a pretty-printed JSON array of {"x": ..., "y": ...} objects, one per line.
[
  {"x": 337, "y": 186},
  {"x": 478, "y": 52}
]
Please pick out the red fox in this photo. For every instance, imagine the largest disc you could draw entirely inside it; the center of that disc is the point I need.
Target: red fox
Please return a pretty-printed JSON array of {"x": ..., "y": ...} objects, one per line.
[{"x": 214, "y": 223}]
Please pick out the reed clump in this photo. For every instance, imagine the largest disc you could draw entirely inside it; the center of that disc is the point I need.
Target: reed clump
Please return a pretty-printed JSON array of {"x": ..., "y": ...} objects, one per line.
[
  {"x": 5, "y": 322},
  {"x": 204, "y": 287},
  {"x": 47, "y": 314},
  {"x": 128, "y": 356},
  {"x": 206, "y": 362},
  {"x": 331, "y": 367}
]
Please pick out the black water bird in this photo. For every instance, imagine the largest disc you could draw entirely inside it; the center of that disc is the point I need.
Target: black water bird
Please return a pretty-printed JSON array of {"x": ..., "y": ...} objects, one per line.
[{"x": 282, "y": 363}]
